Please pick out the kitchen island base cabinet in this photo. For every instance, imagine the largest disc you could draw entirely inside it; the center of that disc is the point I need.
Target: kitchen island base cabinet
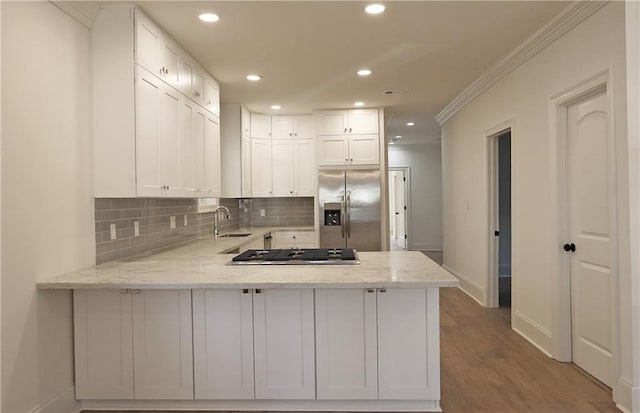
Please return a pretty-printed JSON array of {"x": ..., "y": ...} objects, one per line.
[{"x": 133, "y": 344}]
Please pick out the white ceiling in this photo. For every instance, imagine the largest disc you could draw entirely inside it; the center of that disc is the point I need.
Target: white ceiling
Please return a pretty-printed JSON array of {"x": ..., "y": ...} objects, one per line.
[{"x": 308, "y": 51}]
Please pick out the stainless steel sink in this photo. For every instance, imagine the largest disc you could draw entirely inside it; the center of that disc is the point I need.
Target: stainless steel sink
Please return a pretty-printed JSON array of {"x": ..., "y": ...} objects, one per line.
[{"x": 235, "y": 235}]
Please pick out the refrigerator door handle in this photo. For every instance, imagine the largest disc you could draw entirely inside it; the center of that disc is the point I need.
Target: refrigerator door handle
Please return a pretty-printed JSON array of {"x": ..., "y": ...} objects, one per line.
[
  {"x": 342, "y": 213},
  {"x": 348, "y": 214}
]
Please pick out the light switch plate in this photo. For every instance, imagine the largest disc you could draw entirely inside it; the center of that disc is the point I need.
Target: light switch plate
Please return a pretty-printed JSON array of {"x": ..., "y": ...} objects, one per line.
[
  {"x": 262, "y": 212},
  {"x": 185, "y": 221},
  {"x": 136, "y": 228},
  {"x": 112, "y": 227},
  {"x": 172, "y": 222}
]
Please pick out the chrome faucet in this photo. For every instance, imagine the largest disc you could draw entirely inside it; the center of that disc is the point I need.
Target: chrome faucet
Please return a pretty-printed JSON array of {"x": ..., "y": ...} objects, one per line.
[{"x": 216, "y": 212}]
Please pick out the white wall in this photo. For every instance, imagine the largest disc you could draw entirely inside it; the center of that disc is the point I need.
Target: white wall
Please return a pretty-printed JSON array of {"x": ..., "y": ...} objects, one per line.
[
  {"x": 524, "y": 97},
  {"x": 424, "y": 161},
  {"x": 47, "y": 206}
]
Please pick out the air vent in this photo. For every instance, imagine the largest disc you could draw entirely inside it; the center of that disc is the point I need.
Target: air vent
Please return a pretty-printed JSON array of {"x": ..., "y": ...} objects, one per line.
[{"x": 397, "y": 92}]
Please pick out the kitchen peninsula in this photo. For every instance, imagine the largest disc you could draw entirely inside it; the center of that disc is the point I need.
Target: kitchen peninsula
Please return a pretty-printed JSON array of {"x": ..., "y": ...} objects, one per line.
[{"x": 183, "y": 330}]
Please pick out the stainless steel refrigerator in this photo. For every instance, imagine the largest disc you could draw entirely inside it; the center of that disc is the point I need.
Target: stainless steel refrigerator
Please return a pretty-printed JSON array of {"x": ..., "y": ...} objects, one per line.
[{"x": 350, "y": 209}]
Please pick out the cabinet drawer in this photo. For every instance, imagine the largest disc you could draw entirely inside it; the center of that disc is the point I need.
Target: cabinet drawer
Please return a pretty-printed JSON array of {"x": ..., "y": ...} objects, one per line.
[{"x": 299, "y": 239}]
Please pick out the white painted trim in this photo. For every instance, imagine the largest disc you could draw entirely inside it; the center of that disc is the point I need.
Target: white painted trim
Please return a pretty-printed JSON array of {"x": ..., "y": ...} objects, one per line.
[
  {"x": 531, "y": 331},
  {"x": 423, "y": 246},
  {"x": 269, "y": 405},
  {"x": 572, "y": 15},
  {"x": 64, "y": 402},
  {"x": 628, "y": 396},
  {"x": 407, "y": 199},
  {"x": 84, "y": 12},
  {"x": 466, "y": 285}
]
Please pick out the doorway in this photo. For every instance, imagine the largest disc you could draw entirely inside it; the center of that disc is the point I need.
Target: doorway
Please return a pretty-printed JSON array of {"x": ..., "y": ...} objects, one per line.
[
  {"x": 398, "y": 208},
  {"x": 500, "y": 223}
]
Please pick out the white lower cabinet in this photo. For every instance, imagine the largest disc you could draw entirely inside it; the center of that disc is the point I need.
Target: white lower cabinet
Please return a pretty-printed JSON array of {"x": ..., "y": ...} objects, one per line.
[
  {"x": 162, "y": 345},
  {"x": 133, "y": 344},
  {"x": 284, "y": 344},
  {"x": 408, "y": 344},
  {"x": 295, "y": 239},
  {"x": 346, "y": 344},
  {"x": 223, "y": 344}
]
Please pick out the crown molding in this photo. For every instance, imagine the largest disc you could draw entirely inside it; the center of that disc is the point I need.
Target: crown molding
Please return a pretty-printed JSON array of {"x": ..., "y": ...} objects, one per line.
[
  {"x": 83, "y": 11},
  {"x": 567, "y": 19}
]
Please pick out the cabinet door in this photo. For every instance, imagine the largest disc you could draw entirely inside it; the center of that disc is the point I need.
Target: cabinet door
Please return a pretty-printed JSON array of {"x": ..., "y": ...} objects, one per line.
[
  {"x": 246, "y": 166},
  {"x": 186, "y": 77},
  {"x": 148, "y": 93},
  {"x": 364, "y": 149},
  {"x": 260, "y": 126},
  {"x": 346, "y": 344},
  {"x": 223, "y": 344},
  {"x": 148, "y": 40},
  {"x": 282, "y": 162},
  {"x": 408, "y": 368},
  {"x": 212, "y": 157},
  {"x": 169, "y": 62},
  {"x": 333, "y": 150},
  {"x": 245, "y": 119},
  {"x": 363, "y": 121},
  {"x": 187, "y": 178},
  {"x": 169, "y": 141},
  {"x": 261, "y": 167},
  {"x": 197, "y": 86},
  {"x": 281, "y": 127},
  {"x": 103, "y": 344},
  {"x": 199, "y": 122},
  {"x": 305, "y": 173},
  {"x": 284, "y": 344},
  {"x": 212, "y": 96},
  {"x": 332, "y": 122},
  {"x": 303, "y": 127},
  {"x": 162, "y": 345}
]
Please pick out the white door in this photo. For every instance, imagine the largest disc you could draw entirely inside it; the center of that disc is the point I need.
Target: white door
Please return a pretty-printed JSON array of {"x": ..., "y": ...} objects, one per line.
[
  {"x": 148, "y": 41},
  {"x": 364, "y": 149},
  {"x": 333, "y": 150},
  {"x": 400, "y": 209},
  {"x": 148, "y": 90},
  {"x": 197, "y": 86},
  {"x": 186, "y": 76},
  {"x": 332, "y": 122},
  {"x": 103, "y": 344},
  {"x": 261, "y": 168},
  {"x": 284, "y": 344},
  {"x": 169, "y": 62},
  {"x": 363, "y": 121},
  {"x": 590, "y": 226},
  {"x": 223, "y": 344},
  {"x": 281, "y": 127},
  {"x": 346, "y": 344},
  {"x": 260, "y": 126},
  {"x": 212, "y": 96},
  {"x": 169, "y": 141},
  {"x": 162, "y": 345},
  {"x": 305, "y": 174},
  {"x": 246, "y": 166},
  {"x": 212, "y": 181},
  {"x": 282, "y": 163},
  {"x": 408, "y": 344}
]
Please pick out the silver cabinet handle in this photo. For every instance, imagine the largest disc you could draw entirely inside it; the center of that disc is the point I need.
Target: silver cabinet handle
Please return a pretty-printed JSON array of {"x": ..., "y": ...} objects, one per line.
[
  {"x": 348, "y": 214},
  {"x": 371, "y": 290},
  {"x": 342, "y": 213},
  {"x": 349, "y": 130},
  {"x": 383, "y": 290}
]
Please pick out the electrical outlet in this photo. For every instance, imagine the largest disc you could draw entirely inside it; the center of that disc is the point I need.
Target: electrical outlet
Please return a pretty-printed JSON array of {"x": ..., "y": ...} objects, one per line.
[
  {"x": 136, "y": 228},
  {"x": 172, "y": 222},
  {"x": 112, "y": 227},
  {"x": 262, "y": 212},
  {"x": 185, "y": 221}
]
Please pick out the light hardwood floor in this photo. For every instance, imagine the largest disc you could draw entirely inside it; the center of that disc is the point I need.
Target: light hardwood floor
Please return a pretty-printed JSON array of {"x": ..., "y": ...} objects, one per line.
[{"x": 487, "y": 367}]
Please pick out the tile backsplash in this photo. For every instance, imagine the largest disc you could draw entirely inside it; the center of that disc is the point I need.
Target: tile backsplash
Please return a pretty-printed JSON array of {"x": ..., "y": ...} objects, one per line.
[{"x": 154, "y": 216}]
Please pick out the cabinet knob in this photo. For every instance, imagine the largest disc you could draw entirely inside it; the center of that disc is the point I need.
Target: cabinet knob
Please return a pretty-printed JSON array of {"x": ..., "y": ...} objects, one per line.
[
  {"x": 351, "y": 160},
  {"x": 291, "y": 192},
  {"x": 294, "y": 237},
  {"x": 383, "y": 290},
  {"x": 290, "y": 134},
  {"x": 349, "y": 130},
  {"x": 371, "y": 290},
  {"x": 295, "y": 134},
  {"x": 345, "y": 130},
  {"x": 258, "y": 291},
  {"x": 245, "y": 291}
]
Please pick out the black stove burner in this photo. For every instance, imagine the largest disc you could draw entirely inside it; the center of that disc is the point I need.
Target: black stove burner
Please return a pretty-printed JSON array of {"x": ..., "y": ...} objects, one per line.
[{"x": 313, "y": 255}]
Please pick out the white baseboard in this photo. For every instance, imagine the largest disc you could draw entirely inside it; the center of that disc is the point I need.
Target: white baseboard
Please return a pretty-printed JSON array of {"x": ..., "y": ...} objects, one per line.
[
  {"x": 467, "y": 286},
  {"x": 533, "y": 332},
  {"x": 426, "y": 246},
  {"x": 65, "y": 402},
  {"x": 628, "y": 396}
]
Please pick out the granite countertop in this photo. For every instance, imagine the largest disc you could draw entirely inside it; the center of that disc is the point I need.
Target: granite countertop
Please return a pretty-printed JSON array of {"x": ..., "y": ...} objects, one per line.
[{"x": 203, "y": 264}]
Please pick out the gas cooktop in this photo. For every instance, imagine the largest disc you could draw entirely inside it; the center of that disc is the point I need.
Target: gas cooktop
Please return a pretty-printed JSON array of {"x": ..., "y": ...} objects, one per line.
[{"x": 320, "y": 256}]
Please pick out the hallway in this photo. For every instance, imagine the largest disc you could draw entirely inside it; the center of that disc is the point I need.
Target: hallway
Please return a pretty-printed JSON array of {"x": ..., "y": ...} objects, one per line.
[{"x": 488, "y": 367}]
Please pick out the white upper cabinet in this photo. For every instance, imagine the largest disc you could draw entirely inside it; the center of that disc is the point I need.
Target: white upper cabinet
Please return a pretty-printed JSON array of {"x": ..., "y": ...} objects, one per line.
[
  {"x": 305, "y": 174},
  {"x": 348, "y": 137},
  {"x": 297, "y": 127},
  {"x": 246, "y": 167},
  {"x": 282, "y": 161},
  {"x": 261, "y": 168},
  {"x": 212, "y": 183},
  {"x": 260, "y": 126},
  {"x": 141, "y": 79}
]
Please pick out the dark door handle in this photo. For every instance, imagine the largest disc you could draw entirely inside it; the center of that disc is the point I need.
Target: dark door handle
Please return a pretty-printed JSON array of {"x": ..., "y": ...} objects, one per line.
[
  {"x": 569, "y": 247},
  {"x": 496, "y": 233}
]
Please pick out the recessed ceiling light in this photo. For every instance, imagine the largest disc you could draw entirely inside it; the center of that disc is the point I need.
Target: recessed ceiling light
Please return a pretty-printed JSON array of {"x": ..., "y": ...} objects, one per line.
[
  {"x": 276, "y": 107},
  {"x": 364, "y": 72},
  {"x": 358, "y": 104},
  {"x": 374, "y": 8},
  {"x": 209, "y": 17},
  {"x": 410, "y": 123},
  {"x": 254, "y": 78},
  {"x": 398, "y": 136}
]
